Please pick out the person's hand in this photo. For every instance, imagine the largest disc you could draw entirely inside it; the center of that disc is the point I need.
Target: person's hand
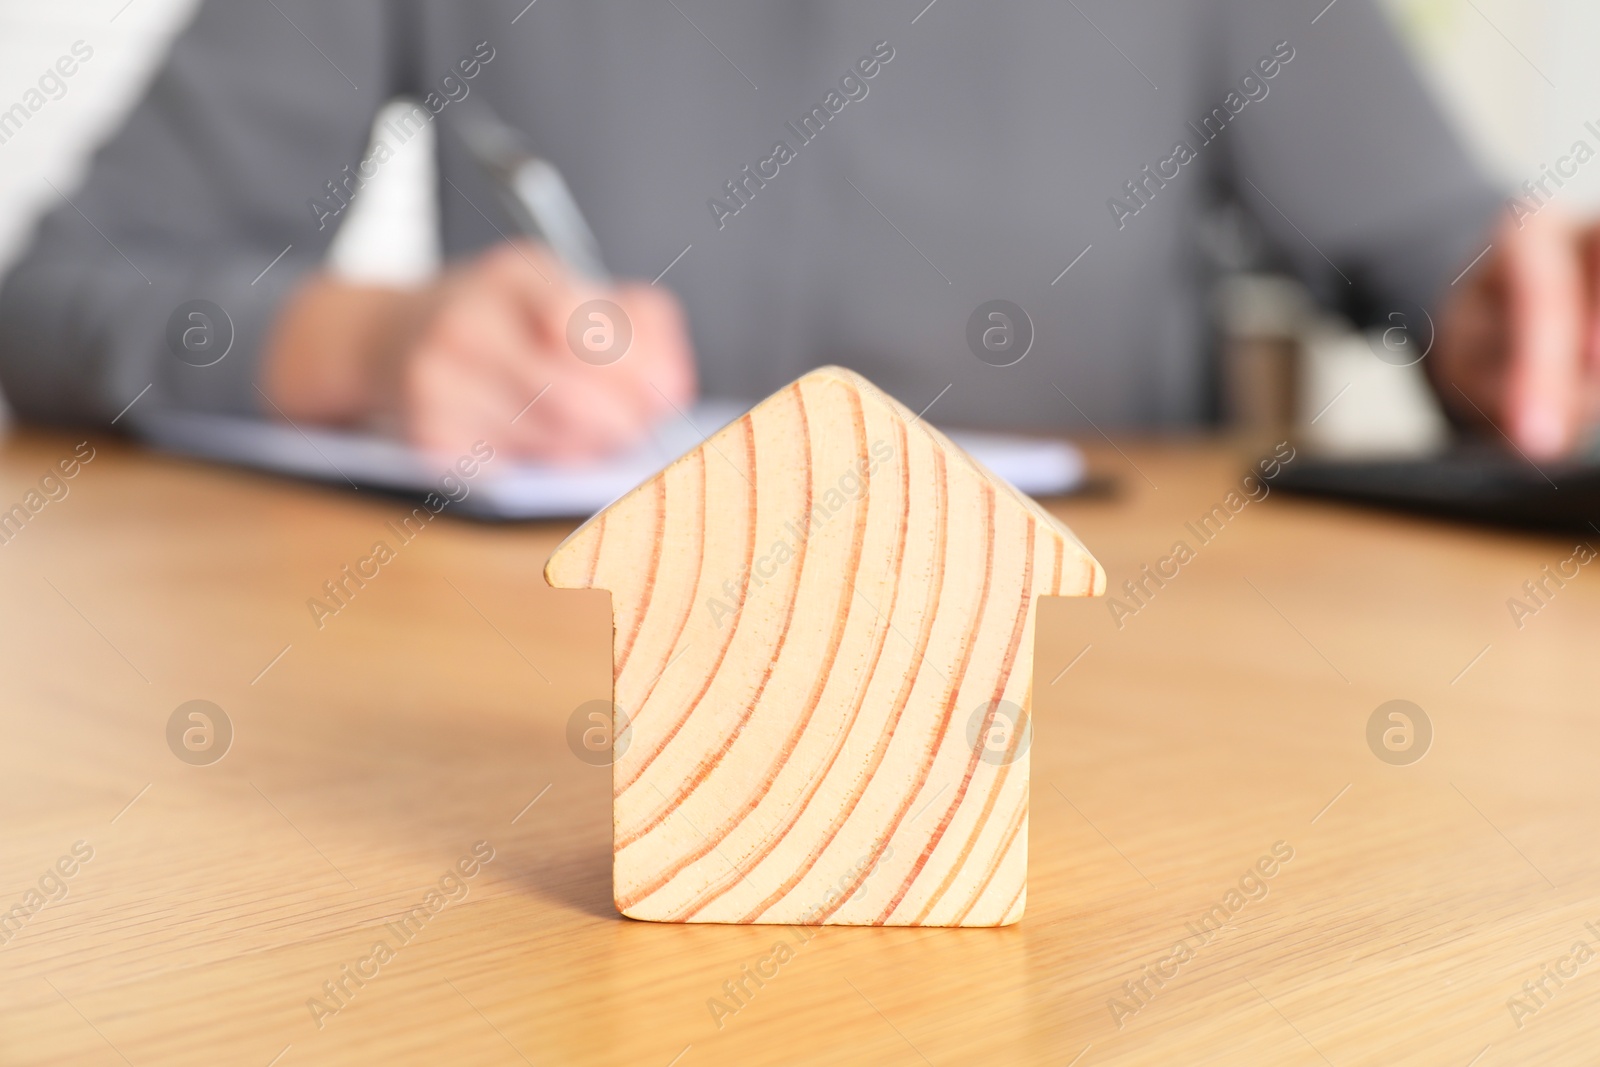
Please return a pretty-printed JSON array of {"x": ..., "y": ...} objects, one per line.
[
  {"x": 463, "y": 359},
  {"x": 515, "y": 321},
  {"x": 1519, "y": 342}
]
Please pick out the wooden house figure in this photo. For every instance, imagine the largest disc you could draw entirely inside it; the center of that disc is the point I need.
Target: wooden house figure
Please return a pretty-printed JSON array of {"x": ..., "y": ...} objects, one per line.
[{"x": 823, "y": 624}]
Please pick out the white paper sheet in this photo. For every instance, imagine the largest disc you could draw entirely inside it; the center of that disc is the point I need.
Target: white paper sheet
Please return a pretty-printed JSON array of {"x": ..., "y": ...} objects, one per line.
[{"x": 523, "y": 490}]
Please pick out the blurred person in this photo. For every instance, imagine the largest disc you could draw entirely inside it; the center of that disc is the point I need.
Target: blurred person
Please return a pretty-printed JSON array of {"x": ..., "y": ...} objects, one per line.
[{"x": 807, "y": 181}]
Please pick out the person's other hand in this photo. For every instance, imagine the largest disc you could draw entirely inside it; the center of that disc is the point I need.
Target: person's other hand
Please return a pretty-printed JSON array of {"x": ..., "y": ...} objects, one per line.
[
  {"x": 461, "y": 360},
  {"x": 1519, "y": 343}
]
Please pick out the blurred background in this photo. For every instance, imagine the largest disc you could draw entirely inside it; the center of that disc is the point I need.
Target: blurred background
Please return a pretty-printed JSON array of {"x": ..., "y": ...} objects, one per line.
[{"x": 1507, "y": 71}]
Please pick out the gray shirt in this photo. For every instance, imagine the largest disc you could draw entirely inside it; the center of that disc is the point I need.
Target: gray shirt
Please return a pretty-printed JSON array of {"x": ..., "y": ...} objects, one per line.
[{"x": 851, "y": 182}]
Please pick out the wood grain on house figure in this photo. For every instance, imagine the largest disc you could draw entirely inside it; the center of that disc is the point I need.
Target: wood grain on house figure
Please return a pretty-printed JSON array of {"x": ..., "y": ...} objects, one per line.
[{"x": 814, "y": 614}]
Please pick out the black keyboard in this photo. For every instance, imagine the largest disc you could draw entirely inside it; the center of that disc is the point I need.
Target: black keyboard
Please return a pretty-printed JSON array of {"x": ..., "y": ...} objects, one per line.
[{"x": 1471, "y": 483}]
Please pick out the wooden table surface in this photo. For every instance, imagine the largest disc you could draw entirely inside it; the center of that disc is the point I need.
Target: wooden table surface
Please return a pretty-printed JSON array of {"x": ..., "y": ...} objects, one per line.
[{"x": 1228, "y": 717}]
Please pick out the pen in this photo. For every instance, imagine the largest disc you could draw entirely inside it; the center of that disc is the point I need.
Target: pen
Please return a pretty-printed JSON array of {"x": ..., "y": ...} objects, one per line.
[{"x": 531, "y": 189}]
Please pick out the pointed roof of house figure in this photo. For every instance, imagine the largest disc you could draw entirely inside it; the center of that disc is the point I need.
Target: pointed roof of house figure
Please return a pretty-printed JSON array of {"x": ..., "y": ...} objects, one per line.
[{"x": 824, "y": 622}]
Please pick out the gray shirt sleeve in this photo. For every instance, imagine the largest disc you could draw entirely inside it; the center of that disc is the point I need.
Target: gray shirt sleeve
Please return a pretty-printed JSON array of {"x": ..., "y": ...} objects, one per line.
[
  {"x": 257, "y": 107},
  {"x": 1348, "y": 163}
]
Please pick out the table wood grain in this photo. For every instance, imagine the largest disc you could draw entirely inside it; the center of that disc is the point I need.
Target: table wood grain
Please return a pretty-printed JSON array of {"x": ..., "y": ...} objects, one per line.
[{"x": 1227, "y": 718}]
